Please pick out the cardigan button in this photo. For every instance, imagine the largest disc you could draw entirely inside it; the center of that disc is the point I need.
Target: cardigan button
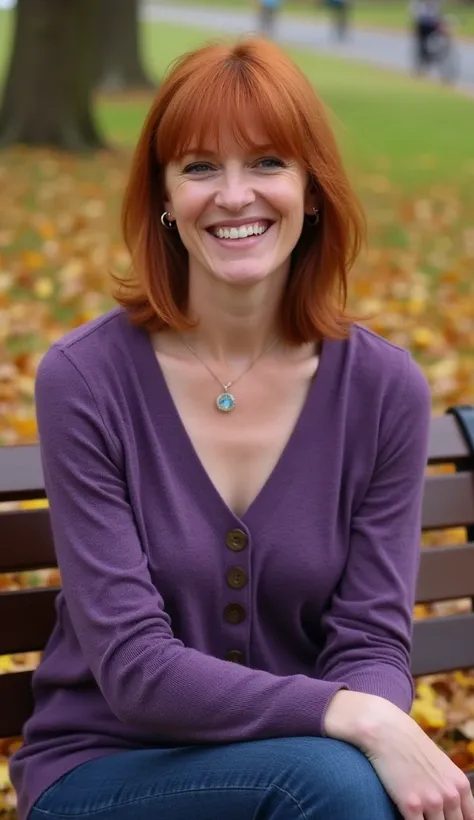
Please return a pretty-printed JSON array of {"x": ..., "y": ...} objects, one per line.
[
  {"x": 235, "y": 656},
  {"x": 236, "y": 577},
  {"x": 236, "y": 540},
  {"x": 234, "y": 613}
]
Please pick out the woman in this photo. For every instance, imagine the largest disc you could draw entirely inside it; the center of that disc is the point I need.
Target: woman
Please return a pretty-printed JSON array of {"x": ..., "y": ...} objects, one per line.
[{"x": 235, "y": 480}]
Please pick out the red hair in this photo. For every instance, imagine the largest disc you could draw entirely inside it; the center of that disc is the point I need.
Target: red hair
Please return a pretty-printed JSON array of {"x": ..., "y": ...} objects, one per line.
[{"x": 207, "y": 92}]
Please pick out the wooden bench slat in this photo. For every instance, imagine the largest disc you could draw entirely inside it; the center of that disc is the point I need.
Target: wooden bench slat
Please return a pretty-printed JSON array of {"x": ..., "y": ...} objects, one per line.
[
  {"x": 447, "y": 445},
  {"x": 448, "y": 501},
  {"x": 446, "y": 573},
  {"x": 21, "y": 473},
  {"x": 443, "y": 644},
  {"x": 26, "y": 541},
  {"x": 16, "y": 703},
  {"x": 30, "y": 615}
]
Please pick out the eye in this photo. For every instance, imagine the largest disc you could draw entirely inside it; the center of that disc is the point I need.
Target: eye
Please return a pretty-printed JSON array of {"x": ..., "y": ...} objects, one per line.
[
  {"x": 198, "y": 168},
  {"x": 270, "y": 163}
]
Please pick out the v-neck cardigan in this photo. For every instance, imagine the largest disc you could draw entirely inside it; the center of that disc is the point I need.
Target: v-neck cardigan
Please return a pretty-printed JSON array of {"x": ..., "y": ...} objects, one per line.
[{"x": 311, "y": 590}]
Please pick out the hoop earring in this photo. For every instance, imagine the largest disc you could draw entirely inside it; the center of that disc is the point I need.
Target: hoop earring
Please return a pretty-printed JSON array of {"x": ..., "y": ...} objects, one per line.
[
  {"x": 166, "y": 222},
  {"x": 314, "y": 218}
]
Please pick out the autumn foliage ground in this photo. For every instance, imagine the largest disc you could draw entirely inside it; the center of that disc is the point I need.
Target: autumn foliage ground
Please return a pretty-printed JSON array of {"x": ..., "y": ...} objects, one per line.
[{"x": 408, "y": 147}]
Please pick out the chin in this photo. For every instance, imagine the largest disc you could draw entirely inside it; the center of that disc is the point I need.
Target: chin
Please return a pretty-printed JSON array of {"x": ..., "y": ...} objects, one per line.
[{"x": 244, "y": 275}]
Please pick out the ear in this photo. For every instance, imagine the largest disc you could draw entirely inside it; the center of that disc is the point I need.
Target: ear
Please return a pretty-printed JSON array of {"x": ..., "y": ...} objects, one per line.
[{"x": 311, "y": 199}]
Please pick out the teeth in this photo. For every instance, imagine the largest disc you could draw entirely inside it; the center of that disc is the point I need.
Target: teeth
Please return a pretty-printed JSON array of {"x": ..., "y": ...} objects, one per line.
[{"x": 240, "y": 233}]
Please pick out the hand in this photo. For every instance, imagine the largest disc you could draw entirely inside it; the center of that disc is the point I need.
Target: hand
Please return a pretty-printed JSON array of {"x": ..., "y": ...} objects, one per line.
[{"x": 422, "y": 781}]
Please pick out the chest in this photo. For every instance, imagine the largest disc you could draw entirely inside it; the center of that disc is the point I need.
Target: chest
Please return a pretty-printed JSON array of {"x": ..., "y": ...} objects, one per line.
[{"x": 240, "y": 450}]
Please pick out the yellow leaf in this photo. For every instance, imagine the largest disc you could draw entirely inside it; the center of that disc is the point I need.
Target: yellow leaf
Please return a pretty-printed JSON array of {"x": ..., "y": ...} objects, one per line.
[
  {"x": 6, "y": 664},
  {"x": 32, "y": 259},
  {"x": 422, "y": 337},
  {"x": 44, "y": 288},
  {"x": 428, "y": 715},
  {"x": 466, "y": 681},
  {"x": 425, "y": 693},
  {"x": 25, "y": 427},
  {"x": 34, "y": 504},
  {"x": 4, "y": 777}
]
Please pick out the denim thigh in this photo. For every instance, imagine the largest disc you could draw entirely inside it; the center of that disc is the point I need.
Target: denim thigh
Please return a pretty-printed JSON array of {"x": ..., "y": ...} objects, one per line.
[{"x": 294, "y": 778}]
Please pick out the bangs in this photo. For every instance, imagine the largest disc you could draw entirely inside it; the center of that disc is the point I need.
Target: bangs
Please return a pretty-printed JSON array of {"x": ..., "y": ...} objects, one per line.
[{"x": 230, "y": 98}]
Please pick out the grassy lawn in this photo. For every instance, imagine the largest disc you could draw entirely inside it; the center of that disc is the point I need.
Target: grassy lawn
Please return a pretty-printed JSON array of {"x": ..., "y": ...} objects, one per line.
[
  {"x": 391, "y": 14},
  {"x": 414, "y": 132}
]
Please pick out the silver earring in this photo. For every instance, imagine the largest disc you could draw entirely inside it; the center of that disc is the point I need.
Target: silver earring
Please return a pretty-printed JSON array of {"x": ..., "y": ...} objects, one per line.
[
  {"x": 314, "y": 218},
  {"x": 166, "y": 221}
]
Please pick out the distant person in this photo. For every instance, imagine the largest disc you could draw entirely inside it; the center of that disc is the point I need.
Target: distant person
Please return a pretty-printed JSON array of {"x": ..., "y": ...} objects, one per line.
[
  {"x": 234, "y": 468},
  {"x": 268, "y": 11},
  {"x": 340, "y": 11},
  {"x": 427, "y": 19}
]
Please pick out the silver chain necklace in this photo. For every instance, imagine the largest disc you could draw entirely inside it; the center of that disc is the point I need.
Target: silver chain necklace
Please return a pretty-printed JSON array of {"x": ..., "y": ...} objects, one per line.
[{"x": 225, "y": 401}]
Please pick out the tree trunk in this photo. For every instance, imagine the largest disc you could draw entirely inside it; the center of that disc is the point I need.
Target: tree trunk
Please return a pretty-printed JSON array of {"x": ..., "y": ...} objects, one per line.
[
  {"x": 48, "y": 93},
  {"x": 120, "y": 66}
]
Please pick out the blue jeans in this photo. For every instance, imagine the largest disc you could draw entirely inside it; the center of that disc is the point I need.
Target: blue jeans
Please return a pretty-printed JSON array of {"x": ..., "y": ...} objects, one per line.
[{"x": 294, "y": 778}]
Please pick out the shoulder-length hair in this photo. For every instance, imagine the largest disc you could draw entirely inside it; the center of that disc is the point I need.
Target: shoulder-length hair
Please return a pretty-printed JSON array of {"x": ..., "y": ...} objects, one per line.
[{"x": 207, "y": 92}]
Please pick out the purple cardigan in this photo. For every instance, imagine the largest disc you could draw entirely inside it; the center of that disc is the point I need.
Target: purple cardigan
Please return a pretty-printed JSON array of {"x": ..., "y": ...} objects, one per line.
[{"x": 322, "y": 565}]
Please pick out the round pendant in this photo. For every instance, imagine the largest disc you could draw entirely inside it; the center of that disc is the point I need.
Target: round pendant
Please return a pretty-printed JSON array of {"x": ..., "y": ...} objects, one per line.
[{"x": 225, "y": 402}]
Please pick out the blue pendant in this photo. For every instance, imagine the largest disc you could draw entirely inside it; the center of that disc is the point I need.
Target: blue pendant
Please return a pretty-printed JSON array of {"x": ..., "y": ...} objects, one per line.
[{"x": 225, "y": 402}]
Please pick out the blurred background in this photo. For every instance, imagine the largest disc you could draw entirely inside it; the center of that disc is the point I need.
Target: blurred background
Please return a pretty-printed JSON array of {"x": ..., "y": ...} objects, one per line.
[{"x": 76, "y": 81}]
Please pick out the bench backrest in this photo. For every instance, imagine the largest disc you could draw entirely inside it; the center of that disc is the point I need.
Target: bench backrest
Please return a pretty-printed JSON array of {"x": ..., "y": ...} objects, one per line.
[{"x": 27, "y": 616}]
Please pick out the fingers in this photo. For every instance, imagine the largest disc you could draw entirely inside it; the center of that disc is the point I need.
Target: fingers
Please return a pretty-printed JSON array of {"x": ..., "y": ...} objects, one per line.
[
  {"x": 455, "y": 803},
  {"x": 452, "y": 803}
]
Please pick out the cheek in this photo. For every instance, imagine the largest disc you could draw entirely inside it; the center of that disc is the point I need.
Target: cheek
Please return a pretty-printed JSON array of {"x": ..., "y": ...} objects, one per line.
[
  {"x": 288, "y": 199},
  {"x": 189, "y": 204}
]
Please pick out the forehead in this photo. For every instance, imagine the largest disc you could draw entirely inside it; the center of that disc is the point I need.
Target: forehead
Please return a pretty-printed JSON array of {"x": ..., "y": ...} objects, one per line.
[{"x": 229, "y": 142}]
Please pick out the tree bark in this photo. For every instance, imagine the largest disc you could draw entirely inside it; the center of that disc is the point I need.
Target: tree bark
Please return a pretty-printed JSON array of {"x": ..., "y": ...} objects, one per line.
[
  {"x": 120, "y": 65},
  {"x": 47, "y": 97}
]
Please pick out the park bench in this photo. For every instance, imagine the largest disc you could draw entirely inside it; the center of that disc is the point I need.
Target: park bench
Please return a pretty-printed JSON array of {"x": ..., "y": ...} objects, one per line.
[{"x": 441, "y": 643}]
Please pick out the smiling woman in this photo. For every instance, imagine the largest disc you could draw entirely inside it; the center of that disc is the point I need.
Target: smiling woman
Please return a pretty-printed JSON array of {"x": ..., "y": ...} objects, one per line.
[{"x": 238, "y": 571}]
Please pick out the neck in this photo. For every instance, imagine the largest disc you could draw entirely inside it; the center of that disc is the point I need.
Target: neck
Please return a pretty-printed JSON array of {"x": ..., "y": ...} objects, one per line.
[{"x": 234, "y": 322}]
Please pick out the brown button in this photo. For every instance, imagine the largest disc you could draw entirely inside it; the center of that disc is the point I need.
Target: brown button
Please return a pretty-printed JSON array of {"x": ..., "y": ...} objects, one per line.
[
  {"x": 235, "y": 656},
  {"x": 236, "y": 540},
  {"x": 236, "y": 577},
  {"x": 234, "y": 613}
]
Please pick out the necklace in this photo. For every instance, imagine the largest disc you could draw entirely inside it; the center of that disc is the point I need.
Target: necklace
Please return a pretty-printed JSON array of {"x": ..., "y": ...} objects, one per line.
[{"x": 225, "y": 401}]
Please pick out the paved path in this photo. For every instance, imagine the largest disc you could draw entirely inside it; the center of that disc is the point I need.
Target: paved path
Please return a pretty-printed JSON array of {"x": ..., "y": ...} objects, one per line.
[{"x": 387, "y": 49}]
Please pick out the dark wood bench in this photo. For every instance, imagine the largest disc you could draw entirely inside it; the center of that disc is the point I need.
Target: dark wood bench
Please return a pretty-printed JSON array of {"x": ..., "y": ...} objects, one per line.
[{"x": 441, "y": 644}]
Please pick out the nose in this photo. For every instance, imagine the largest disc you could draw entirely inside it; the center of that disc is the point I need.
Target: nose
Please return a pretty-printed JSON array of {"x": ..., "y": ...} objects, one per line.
[{"x": 234, "y": 191}]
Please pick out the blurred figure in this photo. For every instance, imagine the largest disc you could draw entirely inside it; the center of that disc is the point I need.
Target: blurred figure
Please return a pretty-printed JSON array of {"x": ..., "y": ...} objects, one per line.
[
  {"x": 268, "y": 11},
  {"x": 340, "y": 17},
  {"x": 427, "y": 19}
]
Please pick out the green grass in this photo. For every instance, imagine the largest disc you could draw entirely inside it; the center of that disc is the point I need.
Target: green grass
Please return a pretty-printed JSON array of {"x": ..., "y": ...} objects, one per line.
[
  {"x": 390, "y": 14},
  {"x": 412, "y": 131}
]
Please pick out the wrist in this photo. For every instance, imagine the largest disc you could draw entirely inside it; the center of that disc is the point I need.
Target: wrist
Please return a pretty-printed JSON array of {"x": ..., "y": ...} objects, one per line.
[{"x": 360, "y": 718}]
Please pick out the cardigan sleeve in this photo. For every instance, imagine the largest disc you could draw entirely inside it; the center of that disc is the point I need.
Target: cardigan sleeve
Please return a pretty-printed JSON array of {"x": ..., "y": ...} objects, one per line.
[
  {"x": 150, "y": 680},
  {"x": 368, "y": 625}
]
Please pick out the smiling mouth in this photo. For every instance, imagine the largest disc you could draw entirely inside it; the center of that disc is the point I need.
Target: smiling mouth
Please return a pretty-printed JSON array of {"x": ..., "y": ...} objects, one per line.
[{"x": 240, "y": 231}]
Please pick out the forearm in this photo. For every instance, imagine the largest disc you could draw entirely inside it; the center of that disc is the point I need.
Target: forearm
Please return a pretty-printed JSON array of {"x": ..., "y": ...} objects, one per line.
[{"x": 186, "y": 696}]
